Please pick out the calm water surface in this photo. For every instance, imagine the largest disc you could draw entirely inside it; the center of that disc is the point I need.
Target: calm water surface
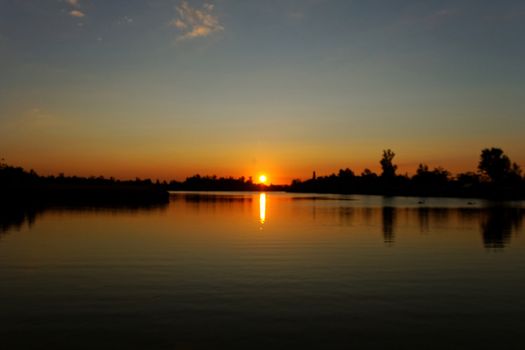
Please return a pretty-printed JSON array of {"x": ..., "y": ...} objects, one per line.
[{"x": 251, "y": 270}]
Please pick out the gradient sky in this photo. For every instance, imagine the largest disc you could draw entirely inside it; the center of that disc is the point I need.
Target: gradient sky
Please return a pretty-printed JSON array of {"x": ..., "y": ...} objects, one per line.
[{"x": 167, "y": 89}]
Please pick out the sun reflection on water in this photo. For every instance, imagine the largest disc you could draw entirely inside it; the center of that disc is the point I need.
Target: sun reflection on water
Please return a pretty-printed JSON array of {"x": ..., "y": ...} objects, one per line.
[{"x": 262, "y": 207}]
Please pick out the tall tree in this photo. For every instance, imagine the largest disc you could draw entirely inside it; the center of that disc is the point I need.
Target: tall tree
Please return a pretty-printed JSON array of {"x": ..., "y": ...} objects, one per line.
[
  {"x": 494, "y": 164},
  {"x": 389, "y": 169}
]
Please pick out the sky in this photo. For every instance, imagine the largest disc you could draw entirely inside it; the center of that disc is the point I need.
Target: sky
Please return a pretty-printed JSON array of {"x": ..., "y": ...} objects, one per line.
[{"x": 167, "y": 89}]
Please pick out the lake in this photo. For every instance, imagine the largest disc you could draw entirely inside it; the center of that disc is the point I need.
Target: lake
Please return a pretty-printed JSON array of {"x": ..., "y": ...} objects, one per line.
[{"x": 265, "y": 271}]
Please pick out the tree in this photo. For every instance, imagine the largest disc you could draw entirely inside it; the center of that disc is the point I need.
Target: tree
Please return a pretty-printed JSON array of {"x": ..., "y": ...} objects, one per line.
[
  {"x": 346, "y": 173},
  {"x": 422, "y": 170},
  {"x": 494, "y": 164},
  {"x": 514, "y": 175},
  {"x": 367, "y": 173},
  {"x": 468, "y": 179},
  {"x": 516, "y": 169},
  {"x": 424, "y": 176},
  {"x": 389, "y": 169}
]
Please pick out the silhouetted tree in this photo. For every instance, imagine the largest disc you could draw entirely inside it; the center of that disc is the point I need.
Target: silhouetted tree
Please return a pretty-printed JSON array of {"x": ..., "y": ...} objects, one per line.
[
  {"x": 516, "y": 169},
  {"x": 422, "y": 169},
  {"x": 214, "y": 183},
  {"x": 468, "y": 179},
  {"x": 367, "y": 173},
  {"x": 514, "y": 176},
  {"x": 346, "y": 173},
  {"x": 494, "y": 164},
  {"x": 389, "y": 169},
  {"x": 20, "y": 187},
  {"x": 438, "y": 176}
]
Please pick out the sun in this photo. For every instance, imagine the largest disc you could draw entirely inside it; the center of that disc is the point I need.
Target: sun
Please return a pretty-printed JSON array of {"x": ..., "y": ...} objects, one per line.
[{"x": 263, "y": 179}]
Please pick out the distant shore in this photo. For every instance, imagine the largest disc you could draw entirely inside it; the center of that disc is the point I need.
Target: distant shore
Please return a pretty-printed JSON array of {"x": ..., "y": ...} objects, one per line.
[
  {"x": 18, "y": 186},
  {"x": 496, "y": 178}
]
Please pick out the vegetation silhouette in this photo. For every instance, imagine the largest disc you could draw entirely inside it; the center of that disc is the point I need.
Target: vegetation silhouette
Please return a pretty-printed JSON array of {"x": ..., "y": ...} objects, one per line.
[
  {"x": 497, "y": 167},
  {"x": 496, "y": 178},
  {"x": 20, "y": 187},
  {"x": 389, "y": 169},
  {"x": 214, "y": 183}
]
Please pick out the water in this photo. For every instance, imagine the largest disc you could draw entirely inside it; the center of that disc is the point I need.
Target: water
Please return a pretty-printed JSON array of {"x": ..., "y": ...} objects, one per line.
[{"x": 268, "y": 271}]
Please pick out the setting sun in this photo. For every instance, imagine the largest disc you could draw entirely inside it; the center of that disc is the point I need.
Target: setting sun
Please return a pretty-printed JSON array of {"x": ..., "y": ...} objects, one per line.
[{"x": 263, "y": 179}]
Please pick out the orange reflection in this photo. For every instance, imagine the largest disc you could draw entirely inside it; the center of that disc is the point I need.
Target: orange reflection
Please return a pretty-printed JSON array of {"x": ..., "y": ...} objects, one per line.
[{"x": 262, "y": 207}]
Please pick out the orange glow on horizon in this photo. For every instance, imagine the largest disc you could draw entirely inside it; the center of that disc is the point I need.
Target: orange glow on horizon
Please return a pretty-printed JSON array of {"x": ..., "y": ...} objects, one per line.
[{"x": 283, "y": 170}]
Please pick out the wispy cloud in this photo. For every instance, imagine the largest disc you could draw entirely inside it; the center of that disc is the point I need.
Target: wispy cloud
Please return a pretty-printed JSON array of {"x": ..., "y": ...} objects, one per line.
[
  {"x": 74, "y": 3},
  {"x": 75, "y": 8},
  {"x": 195, "y": 22},
  {"x": 77, "y": 13}
]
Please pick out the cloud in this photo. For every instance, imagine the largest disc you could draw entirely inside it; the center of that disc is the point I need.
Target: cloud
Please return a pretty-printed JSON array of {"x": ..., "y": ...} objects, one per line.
[
  {"x": 74, "y": 3},
  {"x": 75, "y": 8},
  {"x": 76, "y": 13},
  {"x": 195, "y": 22},
  {"x": 179, "y": 24}
]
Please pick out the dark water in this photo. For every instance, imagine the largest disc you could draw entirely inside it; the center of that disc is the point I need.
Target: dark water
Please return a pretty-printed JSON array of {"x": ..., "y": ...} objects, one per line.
[{"x": 265, "y": 271}]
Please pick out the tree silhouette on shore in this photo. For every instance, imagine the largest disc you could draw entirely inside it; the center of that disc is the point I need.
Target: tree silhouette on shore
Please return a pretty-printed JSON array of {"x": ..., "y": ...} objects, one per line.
[
  {"x": 389, "y": 169},
  {"x": 497, "y": 177},
  {"x": 497, "y": 166}
]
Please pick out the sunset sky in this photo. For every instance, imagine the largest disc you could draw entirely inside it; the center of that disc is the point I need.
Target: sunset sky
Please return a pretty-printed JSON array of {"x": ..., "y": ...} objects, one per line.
[{"x": 166, "y": 89}]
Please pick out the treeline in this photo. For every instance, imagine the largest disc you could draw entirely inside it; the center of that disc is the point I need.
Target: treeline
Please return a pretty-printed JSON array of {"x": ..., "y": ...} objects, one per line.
[
  {"x": 214, "y": 183},
  {"x": 496, "y": 177},
  {"x": 18, "y": 186}
]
